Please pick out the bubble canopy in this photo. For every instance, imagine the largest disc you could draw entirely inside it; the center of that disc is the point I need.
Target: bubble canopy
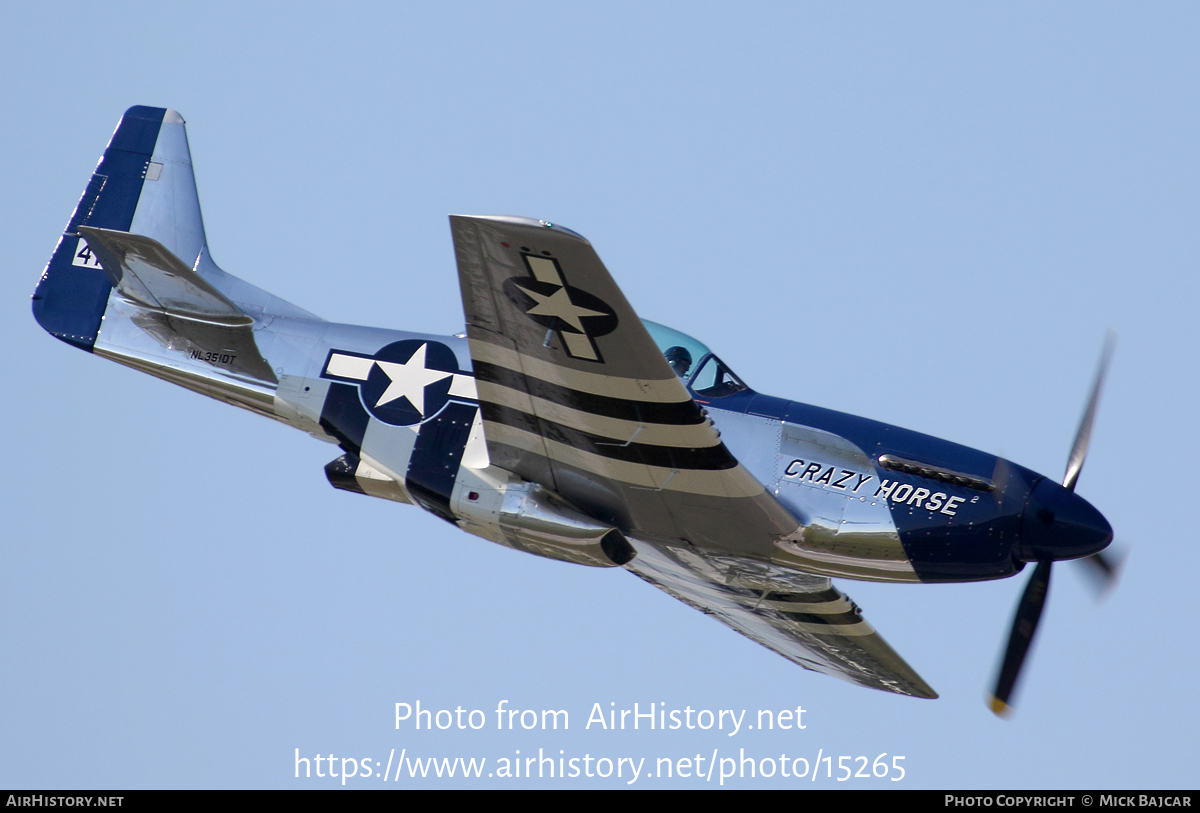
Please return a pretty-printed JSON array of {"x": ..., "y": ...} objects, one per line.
[{"x": 703, "y": 373}]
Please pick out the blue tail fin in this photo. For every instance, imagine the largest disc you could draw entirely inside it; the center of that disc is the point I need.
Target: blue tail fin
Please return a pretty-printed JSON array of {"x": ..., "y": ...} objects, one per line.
[
  {"x": 144, "y": 184},
  {"x": 73, "y": 292}
]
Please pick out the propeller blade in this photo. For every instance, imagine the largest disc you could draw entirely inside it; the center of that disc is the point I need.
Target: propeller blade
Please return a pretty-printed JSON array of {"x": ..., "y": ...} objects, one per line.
[
  {"x": 1023, "y": 628},
  {"x": 1082, "y": 437},
  {"x": 1103, "y": 570}
]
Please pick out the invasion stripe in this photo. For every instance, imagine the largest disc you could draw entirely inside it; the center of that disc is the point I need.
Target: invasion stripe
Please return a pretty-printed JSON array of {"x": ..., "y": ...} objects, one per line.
[
  {"x": 668, "y": 457},
  {"x": 830, "y": 608},
  {"x": 732, "y": 483},
  {"x": 827, "y": 596},
  {"x": 677, "y": 413},
  {"x": 436, "y": 455},
  {"x": 666, "y": 390},
  {"x": 862, "y": 628},
  {"x": 693, "y": 436},
  {"x": 839, "y": 620}
]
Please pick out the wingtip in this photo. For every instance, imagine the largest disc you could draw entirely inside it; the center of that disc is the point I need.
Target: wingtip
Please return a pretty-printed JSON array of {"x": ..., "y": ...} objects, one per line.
[
  {"x": 527, "y": 222},
  {"x": 923, "y": 690}
]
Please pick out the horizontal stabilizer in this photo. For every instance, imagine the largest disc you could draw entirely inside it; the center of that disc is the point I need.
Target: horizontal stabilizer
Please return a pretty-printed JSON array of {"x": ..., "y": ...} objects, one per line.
[{"x": 146, "y": 272}]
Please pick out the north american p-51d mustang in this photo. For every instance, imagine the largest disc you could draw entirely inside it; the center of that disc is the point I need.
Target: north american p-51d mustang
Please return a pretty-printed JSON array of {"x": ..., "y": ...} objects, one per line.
[{"x": 563, "y": 425}]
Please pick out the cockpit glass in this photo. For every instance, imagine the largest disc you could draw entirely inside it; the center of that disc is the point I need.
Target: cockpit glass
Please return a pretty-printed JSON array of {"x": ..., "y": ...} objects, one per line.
[
  {"x": 693, "y": 362},
  {"x": 682, "y": 352},
  {"x": 715, "y": 380}
]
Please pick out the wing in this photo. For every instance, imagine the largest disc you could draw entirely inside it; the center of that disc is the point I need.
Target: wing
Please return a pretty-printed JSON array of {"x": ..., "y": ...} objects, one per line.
[
  {"x": 802, "y": 617},
  {"x": 576, "y": 396}
]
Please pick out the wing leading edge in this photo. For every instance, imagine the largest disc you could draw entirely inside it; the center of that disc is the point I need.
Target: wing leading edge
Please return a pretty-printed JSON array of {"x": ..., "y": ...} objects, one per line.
[{"x": 575, "y": 396}]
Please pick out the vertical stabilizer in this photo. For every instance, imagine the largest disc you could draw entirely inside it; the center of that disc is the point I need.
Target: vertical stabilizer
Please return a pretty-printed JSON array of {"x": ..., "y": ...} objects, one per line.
[
  {"x": 73, "y": 292},
  {"x": 143, "y": 185}
]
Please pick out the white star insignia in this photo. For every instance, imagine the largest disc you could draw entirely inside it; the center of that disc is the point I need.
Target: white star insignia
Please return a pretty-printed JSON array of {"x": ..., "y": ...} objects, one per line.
[
  {"x": 409, "y": 380},
  {"x": 559, "y": 304}
]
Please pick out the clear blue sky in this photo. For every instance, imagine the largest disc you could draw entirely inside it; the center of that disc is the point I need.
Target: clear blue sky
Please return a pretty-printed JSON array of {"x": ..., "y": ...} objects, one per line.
[{"x": 926, "y": 213}]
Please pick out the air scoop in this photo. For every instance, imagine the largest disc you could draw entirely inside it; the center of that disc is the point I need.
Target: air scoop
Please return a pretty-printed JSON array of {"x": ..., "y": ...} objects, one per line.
[{"x": 1059, "y": 524}]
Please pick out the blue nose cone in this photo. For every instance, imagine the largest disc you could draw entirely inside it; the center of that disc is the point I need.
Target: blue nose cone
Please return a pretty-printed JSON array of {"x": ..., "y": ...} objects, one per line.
[{"x": 1059, "y": 524}]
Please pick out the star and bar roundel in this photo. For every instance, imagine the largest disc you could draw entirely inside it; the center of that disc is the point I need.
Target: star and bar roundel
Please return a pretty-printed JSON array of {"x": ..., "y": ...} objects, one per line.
[
  {"x": 405, "y": 382},
  {"x": 574, "y": 314}
]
